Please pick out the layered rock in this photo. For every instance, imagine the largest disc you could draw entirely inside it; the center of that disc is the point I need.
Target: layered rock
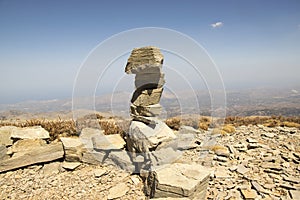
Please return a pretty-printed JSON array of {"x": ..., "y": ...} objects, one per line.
[{"x": 146, "y": 131}]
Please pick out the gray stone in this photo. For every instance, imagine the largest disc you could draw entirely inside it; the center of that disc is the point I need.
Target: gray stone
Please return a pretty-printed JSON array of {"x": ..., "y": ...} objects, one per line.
[
  {"x": 35, "y": 132},
  {"x": 182, "y": 180},
  {"x": 86, "y": 136},
  {"x": 108, "y": 142},
  {"x": 51, "y": 168},
  {"x": 185, "y": 141},
  {"x": 117, "y": 191},
  {"x": 147, "y": 111},
  {"x": 143, "y": 137},
  {"x": 93, "y": 157},
  {"x": 149, "y": 80},
  {"x": 40, "y": 154},
  {"x": 121, "y": 159},
  {"x": 146, "y": 97},
  {"x": 164, "y": 156},
  {"x": 5, "y": 134},
  {"x": 73, "y": 149},
  {"x": 70, "y": 165}
]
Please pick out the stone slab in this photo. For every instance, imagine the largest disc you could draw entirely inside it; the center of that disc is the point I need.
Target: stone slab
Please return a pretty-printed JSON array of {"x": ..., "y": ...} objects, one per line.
[
  {"x": 182, "y": 180},
  {"x": 41, "y": 154},
  {"x": 35, "y": 132},
  {"x": 149, "y": 80},
  {"x": 144, "y": 137},
  {"x": 73, "y": 148},
  {"x": 108, "y": 142},
  {"x": 147, "y": 111},
  {"x": 146, "y": 97}
]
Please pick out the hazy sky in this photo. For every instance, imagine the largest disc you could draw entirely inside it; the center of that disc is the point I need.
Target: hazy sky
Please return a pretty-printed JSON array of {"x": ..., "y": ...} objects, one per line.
[{"x": 43, "y": 43}]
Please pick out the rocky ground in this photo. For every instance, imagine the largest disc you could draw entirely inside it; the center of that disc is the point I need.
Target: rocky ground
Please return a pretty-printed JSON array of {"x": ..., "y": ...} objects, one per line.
[
  {"x": 51, "y": 181},
  {"x": 254, "y": 162}
]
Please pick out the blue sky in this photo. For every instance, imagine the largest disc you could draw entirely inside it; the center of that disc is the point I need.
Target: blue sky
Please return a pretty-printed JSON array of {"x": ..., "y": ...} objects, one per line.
[{"x": 43, "y": 43}]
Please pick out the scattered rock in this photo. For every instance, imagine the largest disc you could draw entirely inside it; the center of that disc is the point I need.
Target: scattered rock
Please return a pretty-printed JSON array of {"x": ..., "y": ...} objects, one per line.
[
  {"x": 242, "y": 169},
  {"x": 249, "y": 194},
  {"x": 99, "y": 172},
  {"x": 117, "y": 191},
  {"x": 51, "y": 168},
  {"x": 268, "y": 134},
  {"x": 70, "y": 165}
]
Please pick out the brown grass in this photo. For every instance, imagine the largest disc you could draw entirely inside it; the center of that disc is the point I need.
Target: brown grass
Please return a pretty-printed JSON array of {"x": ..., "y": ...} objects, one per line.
[{"x": 68, "y": 128}]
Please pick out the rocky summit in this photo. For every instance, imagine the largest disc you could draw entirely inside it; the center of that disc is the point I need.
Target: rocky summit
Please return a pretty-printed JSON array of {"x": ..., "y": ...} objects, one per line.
[{"x": 150, "y": 160}]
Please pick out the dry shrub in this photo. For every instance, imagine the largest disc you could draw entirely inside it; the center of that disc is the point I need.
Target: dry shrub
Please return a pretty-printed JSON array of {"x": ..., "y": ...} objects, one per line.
[
  {"x": 218, "y": 147},
  {"x": 204, "y": 123},
  {"x": 272, "y": 123},
  {"x": 173, "y": 123},
  {"x": 290, "y": 124},
  {"x": 218, "y": 131},
  {"x": 203, "y": 126},
  {"x": 55, "y": 128},
  {"x": 110, "y": 127},
  {"x": 228, "y": 128}
]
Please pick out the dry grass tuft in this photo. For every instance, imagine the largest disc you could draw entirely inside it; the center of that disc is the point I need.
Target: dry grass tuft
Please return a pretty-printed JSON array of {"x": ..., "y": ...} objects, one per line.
[{"x": 228, "y": 128}]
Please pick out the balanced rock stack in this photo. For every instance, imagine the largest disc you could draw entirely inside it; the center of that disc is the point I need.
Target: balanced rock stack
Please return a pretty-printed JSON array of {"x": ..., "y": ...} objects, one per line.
[{"x": 146, "y": 132}]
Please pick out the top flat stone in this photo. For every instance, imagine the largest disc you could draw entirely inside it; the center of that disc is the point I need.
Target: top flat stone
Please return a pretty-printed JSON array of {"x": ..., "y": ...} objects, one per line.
[
  {"x": 35, "y": 132},
  {"x": 144, "y": 60}
]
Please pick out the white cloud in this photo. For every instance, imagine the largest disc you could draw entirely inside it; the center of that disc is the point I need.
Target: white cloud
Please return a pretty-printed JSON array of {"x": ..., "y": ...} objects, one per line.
[{"x": 217, "y": 24}]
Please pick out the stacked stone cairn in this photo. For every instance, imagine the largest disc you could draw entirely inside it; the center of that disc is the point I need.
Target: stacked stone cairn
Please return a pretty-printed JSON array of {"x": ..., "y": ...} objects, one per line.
[
  {"x": 146, "y": 132},
  {"x": 152, "y": 145}
]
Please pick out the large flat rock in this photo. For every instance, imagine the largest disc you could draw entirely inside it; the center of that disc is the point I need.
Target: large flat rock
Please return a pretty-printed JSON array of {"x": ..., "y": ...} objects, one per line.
[
  {"x": 35, "y": 132},
  {"x": 182, "y": 180},
  {"x": 40, "y": 154}
]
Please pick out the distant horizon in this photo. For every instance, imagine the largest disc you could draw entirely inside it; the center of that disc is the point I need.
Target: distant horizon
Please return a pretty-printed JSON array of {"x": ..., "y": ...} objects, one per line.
[{"x": 44, "y": 43}]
